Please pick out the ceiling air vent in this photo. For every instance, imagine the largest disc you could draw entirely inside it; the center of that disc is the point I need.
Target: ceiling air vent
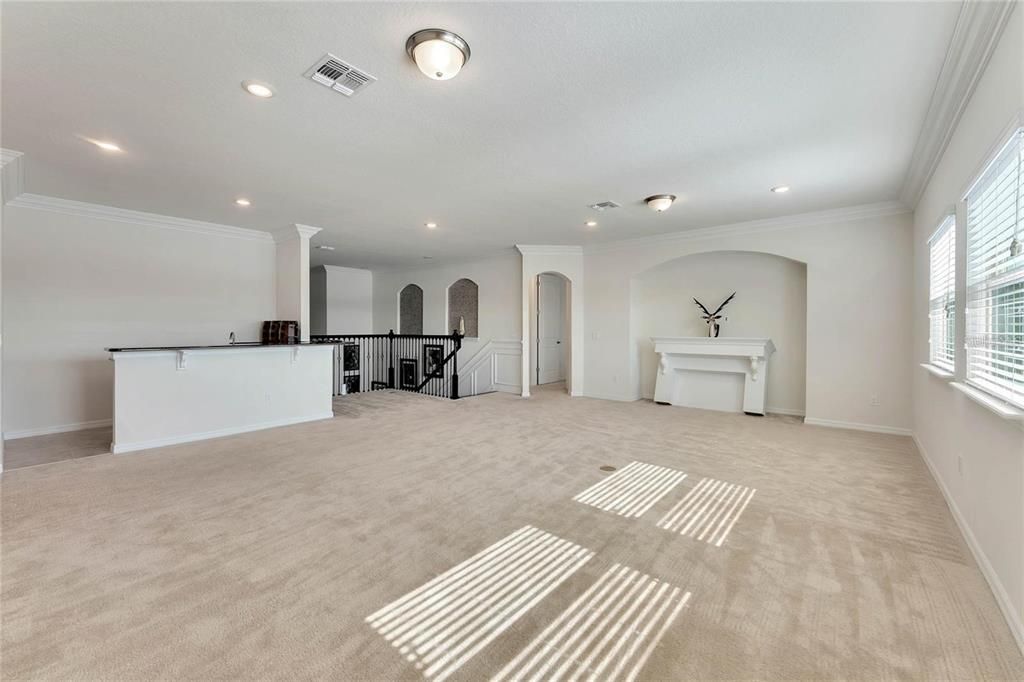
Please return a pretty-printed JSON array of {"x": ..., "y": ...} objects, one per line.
[
  {"x": 339, "y": 76},
  {"x": 605, "y": 205}
]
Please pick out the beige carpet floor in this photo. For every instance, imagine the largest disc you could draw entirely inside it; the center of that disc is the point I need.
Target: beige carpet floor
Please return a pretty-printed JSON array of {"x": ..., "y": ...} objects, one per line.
[{"x": 261, "y": 556}]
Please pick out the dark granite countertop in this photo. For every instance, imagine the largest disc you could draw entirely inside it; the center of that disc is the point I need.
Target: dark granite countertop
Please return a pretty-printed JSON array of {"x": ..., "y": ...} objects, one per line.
[{"x": 241, "y": 344}]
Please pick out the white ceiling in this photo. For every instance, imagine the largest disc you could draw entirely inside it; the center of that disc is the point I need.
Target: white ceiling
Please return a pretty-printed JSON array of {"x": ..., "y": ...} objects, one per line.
[{"x": 561, "y": 106}]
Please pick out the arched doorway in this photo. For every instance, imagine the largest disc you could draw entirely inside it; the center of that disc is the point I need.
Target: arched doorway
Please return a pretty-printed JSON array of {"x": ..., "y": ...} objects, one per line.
[{"x": 551, "y": 332}]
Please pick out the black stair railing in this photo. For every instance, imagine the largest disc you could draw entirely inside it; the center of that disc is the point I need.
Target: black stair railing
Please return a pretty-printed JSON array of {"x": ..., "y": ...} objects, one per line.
[{"x": 422, "y": 363}]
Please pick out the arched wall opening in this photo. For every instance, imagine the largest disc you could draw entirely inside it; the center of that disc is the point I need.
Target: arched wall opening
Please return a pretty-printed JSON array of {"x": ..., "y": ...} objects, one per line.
[
  {"x": 771, "y": 301},
  {"x": 550, "y": 330},
  {"x": 410, "y": 310}
]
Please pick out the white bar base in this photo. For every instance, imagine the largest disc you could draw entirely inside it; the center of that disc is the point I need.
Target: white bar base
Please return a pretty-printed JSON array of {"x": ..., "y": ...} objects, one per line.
[{"x": 163, "y": 397}]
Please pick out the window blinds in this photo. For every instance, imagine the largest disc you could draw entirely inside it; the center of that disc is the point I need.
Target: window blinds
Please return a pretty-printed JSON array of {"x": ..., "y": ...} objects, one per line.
[
  {"x": 995, "y": 276},
  {"x": 942, "y": 295}
]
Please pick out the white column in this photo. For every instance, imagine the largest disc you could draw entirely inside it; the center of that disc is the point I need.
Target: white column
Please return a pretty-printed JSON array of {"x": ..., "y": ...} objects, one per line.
[
  {"x": 11, "y": 183},
  {"x": 293, "y": 275}
]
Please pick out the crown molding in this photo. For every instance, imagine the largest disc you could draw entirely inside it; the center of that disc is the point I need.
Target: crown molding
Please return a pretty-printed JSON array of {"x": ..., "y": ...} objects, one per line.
[
  {"x": 975, "y": 37},
  {"x": 294, "y": 231},
  {"x": 548, "y": 250},
  {"x": 12, "y": 175},
  {"x": 82, "y": 209},
  {"x": 839, "y": 215}
]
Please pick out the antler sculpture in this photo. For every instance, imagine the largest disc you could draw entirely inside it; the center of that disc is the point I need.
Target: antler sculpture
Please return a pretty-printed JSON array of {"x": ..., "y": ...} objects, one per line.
[{"x": 712, "y": 318}]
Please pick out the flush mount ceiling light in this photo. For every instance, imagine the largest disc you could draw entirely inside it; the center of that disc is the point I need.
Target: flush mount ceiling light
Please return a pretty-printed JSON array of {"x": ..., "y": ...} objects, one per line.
[
  {"x": 258, "y": 89},
  {"x": 439, "y": 54},
  {"x": 431, "y": 226},
  {"x": 660, "y": 202},
  {"x": 591, "y": 223},
  {"x": 242, "y": 201},
  {"x": 780, "y": 189}
]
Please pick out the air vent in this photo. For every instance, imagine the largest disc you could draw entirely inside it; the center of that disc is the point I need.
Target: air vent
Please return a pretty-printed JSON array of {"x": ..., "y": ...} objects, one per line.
[
  {"x": 339, "y": 76},
  {"x": 605, "y": 205}
]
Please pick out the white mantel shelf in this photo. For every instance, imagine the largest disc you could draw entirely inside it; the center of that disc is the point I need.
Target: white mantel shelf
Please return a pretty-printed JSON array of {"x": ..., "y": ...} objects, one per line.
[{"x": 728, "y": 374}]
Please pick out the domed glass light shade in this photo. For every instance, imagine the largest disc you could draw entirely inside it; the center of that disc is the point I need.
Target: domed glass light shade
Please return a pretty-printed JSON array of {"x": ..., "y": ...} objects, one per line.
[
  {"x": 660, "y": 202},
  {"x": 439, "y": 54}
]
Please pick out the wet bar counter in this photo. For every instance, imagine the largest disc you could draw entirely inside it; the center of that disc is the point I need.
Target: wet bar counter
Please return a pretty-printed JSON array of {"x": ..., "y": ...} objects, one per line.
[{"x": 169, "y": 395}]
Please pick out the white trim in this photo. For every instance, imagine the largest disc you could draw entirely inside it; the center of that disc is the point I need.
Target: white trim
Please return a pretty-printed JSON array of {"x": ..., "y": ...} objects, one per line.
[
  {"x": 989, "y": 401},
  {"x": 63, "y": 428},
  {"x": 118, "y": 448},
  {"x": 937, "y": 371},
  {"x": 1013, "y": 619},
  {"x": 122, "y": 215},
  {"x": 548, "y": 250},
  {"x": 294, "y": 231},
  {"x": 872, "y": 428},
  {"x": 974, "y": 40},
  {"x": 13, "y": 179},
  {"x": 609, "y": 396},
  {"x": 849, "y": 213},
  {"x": 785, "y": 411}
]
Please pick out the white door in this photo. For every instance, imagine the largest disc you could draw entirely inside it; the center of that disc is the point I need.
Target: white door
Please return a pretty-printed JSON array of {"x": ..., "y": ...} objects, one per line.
[{"x": 550, "y": 316}]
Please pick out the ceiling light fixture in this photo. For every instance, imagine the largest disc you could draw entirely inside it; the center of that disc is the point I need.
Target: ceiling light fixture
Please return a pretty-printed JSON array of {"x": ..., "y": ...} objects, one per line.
[
  {"x": 325, "y": 247},
  {"x": 780, "y": 189},
  {"x": 106, "y": 146},
  {"x": 438, "y": 53},
  {"x": 660, "y": 202},
  {"x": 242, "y": 201},
  {"x": 431, "y": 226},
  {"x": 258, "y": 89},
  {"x": 591, "y": 223}
]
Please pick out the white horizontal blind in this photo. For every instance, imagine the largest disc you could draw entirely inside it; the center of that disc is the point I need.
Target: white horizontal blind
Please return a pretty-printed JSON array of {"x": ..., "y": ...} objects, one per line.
[
  {"x": 942, "y": 295},
  {"x": 995, "y": 276}
]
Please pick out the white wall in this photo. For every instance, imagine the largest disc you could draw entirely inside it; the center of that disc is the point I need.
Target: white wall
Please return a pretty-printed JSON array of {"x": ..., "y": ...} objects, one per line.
[
  {"x": 771, "y": 301},
  {"x": 348, "y": 300},
  {"x": 75, "y": 284},
  {"x": 500, "y": 298},
  {"x": 988, "y": 496},
  {"x": 858, "y": 303}
]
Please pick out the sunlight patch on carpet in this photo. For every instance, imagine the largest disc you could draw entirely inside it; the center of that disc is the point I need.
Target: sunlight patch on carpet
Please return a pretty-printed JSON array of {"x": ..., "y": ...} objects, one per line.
[
  {"x": 606, "y": 634},
  {"x": 447, "y": 621},
  {"x": 709, "y": 511},
  {"x": 632, "y": 490}
]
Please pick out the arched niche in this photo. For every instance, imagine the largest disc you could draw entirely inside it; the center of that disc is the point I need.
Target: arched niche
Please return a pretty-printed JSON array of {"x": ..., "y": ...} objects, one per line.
[
  {"x": 771, "y": 301},
  {"x": 464, "y": 307},
  {"x": 410, "y": 310}
]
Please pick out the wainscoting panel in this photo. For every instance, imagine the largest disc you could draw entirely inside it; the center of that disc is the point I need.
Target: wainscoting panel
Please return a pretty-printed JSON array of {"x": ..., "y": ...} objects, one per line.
[{"x": 496, "y": 367}]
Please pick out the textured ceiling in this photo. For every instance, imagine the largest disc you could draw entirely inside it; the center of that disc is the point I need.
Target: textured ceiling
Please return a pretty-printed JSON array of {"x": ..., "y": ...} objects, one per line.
[{"x": 561, "y": 106}]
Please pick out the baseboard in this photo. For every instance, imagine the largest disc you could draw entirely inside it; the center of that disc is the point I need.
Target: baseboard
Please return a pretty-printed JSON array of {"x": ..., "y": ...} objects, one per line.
[
  {"x": 1013, "y": 619},
  {"x": 784, "y": 411},
  {"x": 118, "y": 448},
  {"x": 873, "y": 428},
  {"x": 63, "y": 428},
  {"x": 607, "y": 396}
]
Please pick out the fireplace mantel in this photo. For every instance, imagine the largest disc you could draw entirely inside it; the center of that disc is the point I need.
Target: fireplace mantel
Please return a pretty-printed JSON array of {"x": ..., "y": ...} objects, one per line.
[{"x": 701, "y": 372}]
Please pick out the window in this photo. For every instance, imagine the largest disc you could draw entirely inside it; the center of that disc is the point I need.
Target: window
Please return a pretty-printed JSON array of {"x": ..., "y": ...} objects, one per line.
[
  {"x": 410, "y": 310},
  {"x": 942, "y": 295},
  {"x": 463, "y": 307},
  {"x": 995, "y": 276}
]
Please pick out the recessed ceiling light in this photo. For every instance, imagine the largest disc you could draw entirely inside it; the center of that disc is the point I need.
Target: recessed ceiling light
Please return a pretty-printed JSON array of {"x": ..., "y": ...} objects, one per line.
[
  {"x": 660, "y": 202},
  {"x": 325, "y": 247},
  {"x": 781, "y": 189},
  {"x": 106, "y": 146},
  {"x": 258, "y": 89},
  {"x": 591, "y": 223},
  {"x": 431, "y": 226},
  {"x": 439, "y": 54},
  {"x": 241, "y": 201},
  {"x": 428, "y": 258}
]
